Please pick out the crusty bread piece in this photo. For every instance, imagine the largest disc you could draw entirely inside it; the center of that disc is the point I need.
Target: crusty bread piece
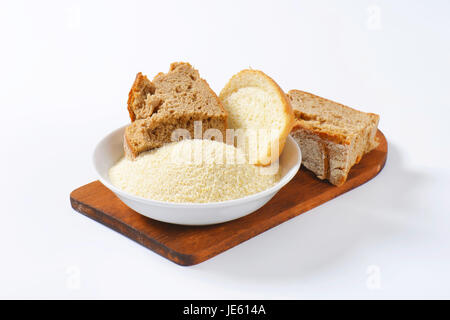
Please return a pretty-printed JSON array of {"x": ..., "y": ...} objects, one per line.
[
  {"x": 173, "y": 100},
  {"x": 332, "y": 137},
  {"x": 257, "y": 105}
]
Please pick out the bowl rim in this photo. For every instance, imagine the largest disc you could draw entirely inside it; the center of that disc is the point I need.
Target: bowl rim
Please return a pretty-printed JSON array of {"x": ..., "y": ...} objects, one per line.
[{"x": 280, "y": 184}]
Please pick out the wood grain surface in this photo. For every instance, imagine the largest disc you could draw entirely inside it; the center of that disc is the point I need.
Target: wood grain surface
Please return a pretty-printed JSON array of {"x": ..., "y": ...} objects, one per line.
[{"x": 189, "y": 245}]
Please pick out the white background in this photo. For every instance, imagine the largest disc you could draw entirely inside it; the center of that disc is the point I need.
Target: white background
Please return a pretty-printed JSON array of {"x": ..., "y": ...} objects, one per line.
[{"x": 65, "y": 72}]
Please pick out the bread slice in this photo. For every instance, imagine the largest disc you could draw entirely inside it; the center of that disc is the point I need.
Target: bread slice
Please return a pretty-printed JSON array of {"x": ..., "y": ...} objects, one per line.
[
  {"x": 259, "y": 110},
  {"x": 332, "y": 137},
  {"x": 173, "y": 100}
]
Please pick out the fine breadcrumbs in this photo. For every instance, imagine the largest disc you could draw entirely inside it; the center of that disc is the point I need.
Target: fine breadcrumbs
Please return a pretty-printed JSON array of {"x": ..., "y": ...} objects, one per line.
[{"x": 192, "y": 171}]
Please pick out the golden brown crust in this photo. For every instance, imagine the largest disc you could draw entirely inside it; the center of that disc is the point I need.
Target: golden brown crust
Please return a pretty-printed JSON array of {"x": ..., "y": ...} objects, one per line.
[
  {"x": 340, "y": 181},
  {"x": 288, "y": 110},
  {"x": 289, "y": 114},
  {"x": 139, "y": 82},
  {"x": 336, "y": 138}
]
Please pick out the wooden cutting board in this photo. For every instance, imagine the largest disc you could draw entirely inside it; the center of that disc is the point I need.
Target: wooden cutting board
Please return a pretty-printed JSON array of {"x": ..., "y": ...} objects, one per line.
[{"x": 189, "y": 245}]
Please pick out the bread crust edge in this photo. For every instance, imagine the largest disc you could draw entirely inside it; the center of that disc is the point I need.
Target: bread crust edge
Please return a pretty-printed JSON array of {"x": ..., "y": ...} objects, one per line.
[
  {"x": 288, "y": 111},
  {"x": 335, "y": 140},
  {"x": 134, "y": 89},
  {"x": 129, "y": 154}
]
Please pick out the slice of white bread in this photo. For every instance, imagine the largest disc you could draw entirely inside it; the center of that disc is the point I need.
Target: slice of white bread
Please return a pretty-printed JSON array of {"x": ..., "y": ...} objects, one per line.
[
  {"x": 332, "y": 137},
  {"x": 173, "y": 100},
  {"x": 259, "y": 110}
]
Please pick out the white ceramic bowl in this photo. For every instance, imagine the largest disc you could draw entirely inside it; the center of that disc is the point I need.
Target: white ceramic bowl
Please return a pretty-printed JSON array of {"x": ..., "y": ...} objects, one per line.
[{"x": 110, "y": 149}]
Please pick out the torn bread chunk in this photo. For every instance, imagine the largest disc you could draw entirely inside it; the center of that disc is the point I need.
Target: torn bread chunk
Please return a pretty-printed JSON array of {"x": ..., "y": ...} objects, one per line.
[
  {"x": 331, "y": 136},
  {"x": 173, "y": 100}
]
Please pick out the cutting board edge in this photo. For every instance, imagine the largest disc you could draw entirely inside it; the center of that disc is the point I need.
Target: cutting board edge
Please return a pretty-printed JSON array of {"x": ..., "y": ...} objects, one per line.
[
  {"x": 127, "y": 231},
  {"x": 187, "y": 259}
]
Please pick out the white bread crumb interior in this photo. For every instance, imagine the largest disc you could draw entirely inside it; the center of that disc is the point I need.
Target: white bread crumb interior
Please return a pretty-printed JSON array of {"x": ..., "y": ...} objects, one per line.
[{"x": 258, "y": 107}]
